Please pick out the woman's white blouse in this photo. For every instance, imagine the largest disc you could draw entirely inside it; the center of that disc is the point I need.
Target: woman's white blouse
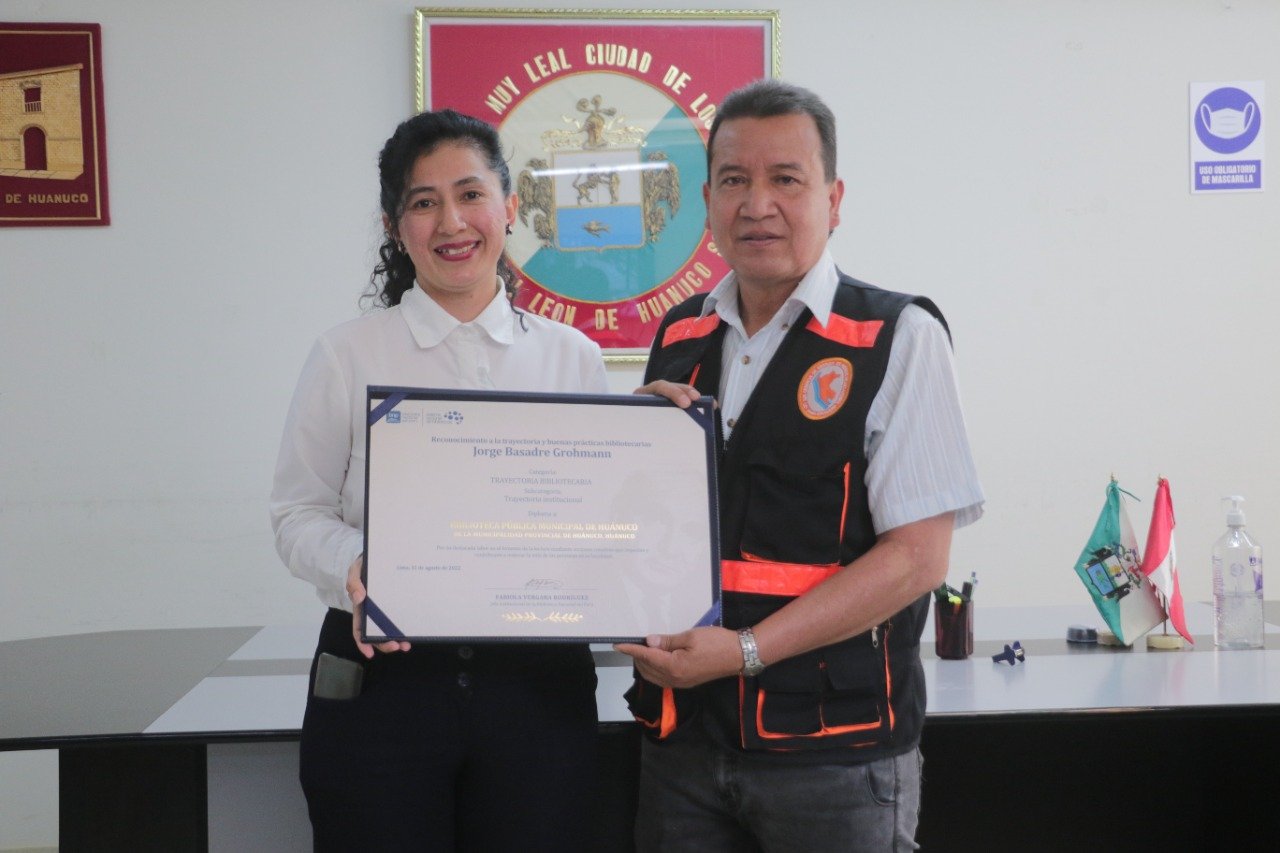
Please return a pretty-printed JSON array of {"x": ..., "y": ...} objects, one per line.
[{"x": 317, "y": 500}]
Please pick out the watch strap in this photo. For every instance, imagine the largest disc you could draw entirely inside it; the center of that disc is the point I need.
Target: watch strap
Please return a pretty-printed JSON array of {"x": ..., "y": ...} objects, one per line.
[{"x": 751, "y": 663}]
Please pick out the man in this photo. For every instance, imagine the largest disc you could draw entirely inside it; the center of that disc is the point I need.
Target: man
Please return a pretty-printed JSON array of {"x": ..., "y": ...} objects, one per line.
[{"x": 844, "y": 468}]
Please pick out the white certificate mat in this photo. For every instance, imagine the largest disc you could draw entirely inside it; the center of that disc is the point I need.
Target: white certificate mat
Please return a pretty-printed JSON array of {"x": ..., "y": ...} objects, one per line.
[{"x": 502, "y": 516}]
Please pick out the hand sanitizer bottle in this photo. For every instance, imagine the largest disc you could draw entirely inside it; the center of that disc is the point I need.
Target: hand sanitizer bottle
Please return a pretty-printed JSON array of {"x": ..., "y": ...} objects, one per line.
[{"x": 1237, "y": 585}]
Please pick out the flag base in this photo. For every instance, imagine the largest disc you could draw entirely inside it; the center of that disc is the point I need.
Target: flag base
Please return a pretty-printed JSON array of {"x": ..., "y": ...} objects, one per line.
[
  {"x": 1106, "y": 638},
  {"x": 1164, "y": 642}
]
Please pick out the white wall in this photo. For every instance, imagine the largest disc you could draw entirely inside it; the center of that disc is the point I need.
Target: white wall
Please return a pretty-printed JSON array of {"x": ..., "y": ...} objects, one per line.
[{"x": 1024, "y": 164}]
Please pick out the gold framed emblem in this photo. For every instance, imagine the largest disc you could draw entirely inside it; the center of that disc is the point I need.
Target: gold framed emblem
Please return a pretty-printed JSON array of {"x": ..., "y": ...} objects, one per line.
[{"x": 605, "y": 116}]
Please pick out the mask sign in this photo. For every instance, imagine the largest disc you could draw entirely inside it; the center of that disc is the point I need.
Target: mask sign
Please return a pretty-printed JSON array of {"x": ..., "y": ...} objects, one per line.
[{"x": 1226, "y": 136}]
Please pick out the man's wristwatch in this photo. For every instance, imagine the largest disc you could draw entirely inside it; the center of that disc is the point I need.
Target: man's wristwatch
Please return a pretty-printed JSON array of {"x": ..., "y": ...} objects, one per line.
[{"x": 751, "y": 663}]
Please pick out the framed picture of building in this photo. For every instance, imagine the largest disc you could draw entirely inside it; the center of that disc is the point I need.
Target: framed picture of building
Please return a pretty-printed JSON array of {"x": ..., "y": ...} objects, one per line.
[
  {"x": 53, "y": 159},
  {"x": 605, "y": 116}
]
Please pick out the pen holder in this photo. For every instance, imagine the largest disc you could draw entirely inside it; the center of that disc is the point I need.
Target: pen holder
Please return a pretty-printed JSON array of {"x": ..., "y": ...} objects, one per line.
[{"x": 953, "y": 629}]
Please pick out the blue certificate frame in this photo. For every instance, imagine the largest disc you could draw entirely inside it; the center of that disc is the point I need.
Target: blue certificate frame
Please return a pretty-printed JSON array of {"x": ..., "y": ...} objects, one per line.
[{"x": 500, "y": 516}]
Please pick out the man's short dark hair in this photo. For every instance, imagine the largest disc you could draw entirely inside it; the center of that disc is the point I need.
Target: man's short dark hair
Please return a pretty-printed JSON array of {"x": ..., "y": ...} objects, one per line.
[{"x": 767, "y": 98}]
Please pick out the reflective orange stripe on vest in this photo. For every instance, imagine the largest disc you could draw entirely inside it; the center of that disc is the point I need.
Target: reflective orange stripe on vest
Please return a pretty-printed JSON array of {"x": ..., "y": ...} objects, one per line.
[
  {"x": 851, "y": 333},
  {"x": 765, "y": 578},
  {"x": 690, "y": 328},
  {"x": 668, "y": 713}
]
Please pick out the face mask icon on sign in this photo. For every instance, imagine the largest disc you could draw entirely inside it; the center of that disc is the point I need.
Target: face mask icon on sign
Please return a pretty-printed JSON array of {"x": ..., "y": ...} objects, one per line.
[{"x": 1227, "y": 123}]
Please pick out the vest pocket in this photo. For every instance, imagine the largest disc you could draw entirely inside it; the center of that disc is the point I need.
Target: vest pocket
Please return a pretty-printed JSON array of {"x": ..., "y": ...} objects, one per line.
[
  {"x": 833, "y": 696},
  {"x": 793, "y": 516}
]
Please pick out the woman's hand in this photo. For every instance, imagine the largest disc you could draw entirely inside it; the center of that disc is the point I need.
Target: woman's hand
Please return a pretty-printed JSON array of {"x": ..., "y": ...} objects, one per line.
[{"x": 355, "y": 589}]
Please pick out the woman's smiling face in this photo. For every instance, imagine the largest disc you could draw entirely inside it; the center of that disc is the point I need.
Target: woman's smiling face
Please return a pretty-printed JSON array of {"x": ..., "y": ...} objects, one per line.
[{"x": 453, "y": 223}]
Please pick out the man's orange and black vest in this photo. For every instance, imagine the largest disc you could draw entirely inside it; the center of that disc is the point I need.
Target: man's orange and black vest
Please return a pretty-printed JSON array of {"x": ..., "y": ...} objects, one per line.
[{"x": 793, "y": 511}]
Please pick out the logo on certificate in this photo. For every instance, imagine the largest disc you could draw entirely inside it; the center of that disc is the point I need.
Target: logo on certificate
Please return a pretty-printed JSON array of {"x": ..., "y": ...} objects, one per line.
[
  {"x": 452, "y": 416},
  {"x": 824, "y": 388}
]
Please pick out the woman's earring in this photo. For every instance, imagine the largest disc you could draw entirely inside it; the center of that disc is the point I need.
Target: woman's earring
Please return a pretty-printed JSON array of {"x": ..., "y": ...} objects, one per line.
[
  {"x": 400, "y": 246},
  {"x": 508, "y": 229}
]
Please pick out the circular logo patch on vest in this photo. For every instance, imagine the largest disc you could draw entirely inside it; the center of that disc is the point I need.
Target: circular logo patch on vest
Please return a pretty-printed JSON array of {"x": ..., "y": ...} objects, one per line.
[{"x": 824, "y": 388}]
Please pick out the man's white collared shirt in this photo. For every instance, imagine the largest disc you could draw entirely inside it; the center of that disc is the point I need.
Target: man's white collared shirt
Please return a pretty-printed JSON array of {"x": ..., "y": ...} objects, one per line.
[{"x": 919, "y": 461}]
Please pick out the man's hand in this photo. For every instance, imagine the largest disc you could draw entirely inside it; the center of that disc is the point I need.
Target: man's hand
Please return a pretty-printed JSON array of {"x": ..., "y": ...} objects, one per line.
[
  {"x": 682, "y": 395},
  {"x": 687, "y": 659},
  {"x": 355, "y": 589}
]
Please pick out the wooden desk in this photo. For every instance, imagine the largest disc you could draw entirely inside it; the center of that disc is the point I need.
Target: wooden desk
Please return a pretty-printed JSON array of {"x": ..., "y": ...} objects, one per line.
[{"x": 1097, "y": 748}]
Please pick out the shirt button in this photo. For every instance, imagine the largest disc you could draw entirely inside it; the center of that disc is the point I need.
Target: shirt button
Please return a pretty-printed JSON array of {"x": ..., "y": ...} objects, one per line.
[
  {"x": 786, "y": 326},
  {"x": 732, "y": 422},
  {"x": 466, "y": 652},
  {"x": 746, "y": 359},
  {"x": 464, "y": 680}
]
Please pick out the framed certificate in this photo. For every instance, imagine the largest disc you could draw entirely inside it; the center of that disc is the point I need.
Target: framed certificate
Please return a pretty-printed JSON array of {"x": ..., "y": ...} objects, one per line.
[
  {"x": 505, "y": 516},
  {"x": 604, "y": 115}
]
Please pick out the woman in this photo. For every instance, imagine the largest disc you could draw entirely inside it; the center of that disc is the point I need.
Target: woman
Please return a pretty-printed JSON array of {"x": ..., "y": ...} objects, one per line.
[{"x": 485, "y": 747}]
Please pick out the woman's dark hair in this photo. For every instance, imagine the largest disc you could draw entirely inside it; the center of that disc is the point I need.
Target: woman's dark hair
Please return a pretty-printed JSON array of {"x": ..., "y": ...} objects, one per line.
[{"x": 424, "y": 133}]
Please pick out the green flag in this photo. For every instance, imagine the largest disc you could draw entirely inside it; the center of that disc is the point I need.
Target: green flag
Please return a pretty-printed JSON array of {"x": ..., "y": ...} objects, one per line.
[{"x": 1109, "y": 568}]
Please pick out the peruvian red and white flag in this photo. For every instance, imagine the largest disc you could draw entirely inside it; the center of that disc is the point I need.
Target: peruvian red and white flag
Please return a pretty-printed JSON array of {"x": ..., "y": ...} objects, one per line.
[{"x": 1160, "y": 559}]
